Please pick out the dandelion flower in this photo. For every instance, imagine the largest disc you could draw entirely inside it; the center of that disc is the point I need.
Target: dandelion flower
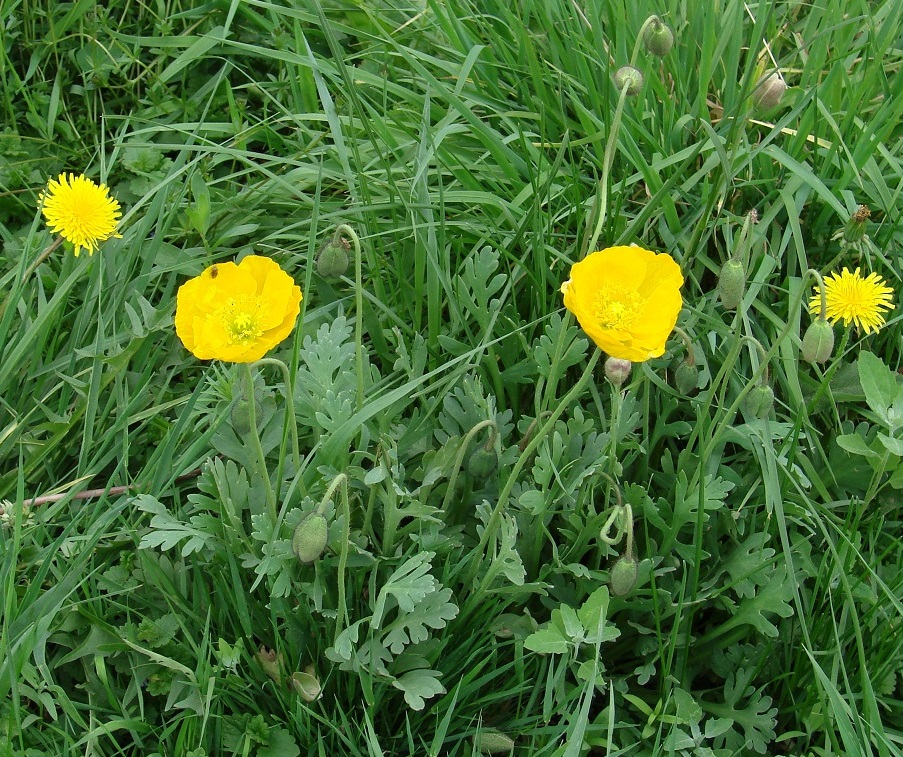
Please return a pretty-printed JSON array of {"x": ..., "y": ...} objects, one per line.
[
  {"x": 853, "y": 298},
  {"x": 626, "y": 299},
  {"x": 237, "y": 313},
  {"x": 80, "y": 211}
]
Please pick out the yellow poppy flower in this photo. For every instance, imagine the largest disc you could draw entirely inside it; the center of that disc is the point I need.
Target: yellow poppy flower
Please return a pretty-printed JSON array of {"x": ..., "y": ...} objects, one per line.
[
  {"x": 80, "y": 211},
  {"x": 626, "y": 299},
  {"x": 237, "y": 313},
  {"x": 851, "y": 297}
]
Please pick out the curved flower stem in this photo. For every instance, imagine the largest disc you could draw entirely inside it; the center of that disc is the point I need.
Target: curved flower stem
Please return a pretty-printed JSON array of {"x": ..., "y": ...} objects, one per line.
[
  {"x": 290, "y": 419},
  {"x": 459, "y": 459},
  {"x": 341, "y": 619},
  {"x": 627, "y": 525},
  {"x": 823, "y": 313},
  {"x": 492, "y": 525},
  {"x": 762, "y": 353},
  {"x": 255, "y": 440},
  {"x": 358, "y": 309},
  {"x": 639, "y": 39},
  {"x": 688, "y": 345},
  {"x": 829, "y": 374},
  {"x": 602, "y": 193}
]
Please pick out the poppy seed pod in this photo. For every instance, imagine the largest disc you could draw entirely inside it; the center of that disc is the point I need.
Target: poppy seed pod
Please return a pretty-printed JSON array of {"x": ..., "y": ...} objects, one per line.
[
  {"x": 630, "y": 77},
  {"x": 623, "y": 576},
  {"x": 818, "y": 342},
  {"x": 617, "y": 370},
  {"x": 769, "y": 92},
  {"x": 731, "y": 284},
  {"x": 658, "y": 37},
  {"x": 310, "y": 537}
]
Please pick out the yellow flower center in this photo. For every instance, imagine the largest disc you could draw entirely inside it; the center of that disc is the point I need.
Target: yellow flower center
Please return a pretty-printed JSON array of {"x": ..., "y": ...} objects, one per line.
[
  {"x": 616, "y": 306},
  {"x": 241, "y": 316}
]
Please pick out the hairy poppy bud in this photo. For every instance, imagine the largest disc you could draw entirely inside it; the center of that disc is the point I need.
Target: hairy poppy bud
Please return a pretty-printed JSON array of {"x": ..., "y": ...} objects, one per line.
[
  {"x": 631, "y": 78},
  {"x": 731, "y": 284},
  {"x": 769, "y": 92},
  {"x": 332, "y": 260},
  {"x": 617, "y": 370},
  {"x": 686, "y": 378},
  {"x": 310, "y": 536},
  {"x": 482, "y": 462},
  {"x": 241, "y": 416},
  {"x": 818, "y": 342},
  {"x": 623, "y": 576},
  {"x": 759, "y": 401},
  {"x": 658, "y": 37}
]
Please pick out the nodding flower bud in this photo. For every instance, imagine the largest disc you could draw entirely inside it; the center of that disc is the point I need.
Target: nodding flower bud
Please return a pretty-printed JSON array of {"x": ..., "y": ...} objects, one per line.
[
  {"x": 731, "y": 284},
  {"x": 630, "y": 77},
  {"x": 686, "y": 378},
  {"x": 759, "y": 401},
  {"x": 617, "y": 370},
  {"x": 482, "y": 462},
  {"x": 623, "y": 576},
  {"x": 241, "y": 416},
  {"x": 769, "y": 91},
  {"x": 310, "y": 537},
  {"x": 855, "y": 227},
  {"x": 658, "y": 37},
  {"x": 332, "y": 260},
  {"x": 818, "y": 342}
]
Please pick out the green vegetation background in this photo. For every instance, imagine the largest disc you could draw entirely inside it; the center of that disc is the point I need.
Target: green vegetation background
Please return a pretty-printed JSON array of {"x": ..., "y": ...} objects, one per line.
[{"x": 463, "y": 142}]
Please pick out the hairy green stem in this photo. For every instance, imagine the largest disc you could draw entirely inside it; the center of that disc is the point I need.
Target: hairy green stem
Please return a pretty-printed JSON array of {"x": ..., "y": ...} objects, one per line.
[
  {"x": 501, "y": 504},
  {"x": 290, "y": 419},
  {"x": 255, "y": 441},
  {"x": 602, "y": 194},
  {"x": 345, "y": 229}
]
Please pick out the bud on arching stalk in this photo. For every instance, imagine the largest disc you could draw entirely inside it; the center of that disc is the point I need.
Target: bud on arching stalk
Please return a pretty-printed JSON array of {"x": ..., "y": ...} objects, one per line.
[
  {"x": 769, "y": 92},
  {"x": 241, "y": 415},
  {"x": 759, "y": 401},
  {"x": 623, "y": 576},
  {"x": 617, "y": 370},
  {"x": 658, "y": 37},
  {"x": 482, "y": 462},
  {"x": 818, "y": 342},
  {"x": 631, "y": 78},
  {"x": 686, "y": 378},
  {"x": 310, "y": 537},
  {"x": 731, "y": 284},
  {"x": 332, "y": 260}
]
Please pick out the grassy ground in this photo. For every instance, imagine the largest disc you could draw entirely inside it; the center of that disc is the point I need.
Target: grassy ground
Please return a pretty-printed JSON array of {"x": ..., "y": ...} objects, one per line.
[{"x": 454, "y": 610}]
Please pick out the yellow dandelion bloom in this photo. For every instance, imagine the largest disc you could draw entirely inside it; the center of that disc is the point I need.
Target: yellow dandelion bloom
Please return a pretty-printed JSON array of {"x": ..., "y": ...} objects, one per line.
[
  {"x": 80, "y": 211},
  {"x": 237, "y": 313},
  {"x": 626, "y": 299},
  {"x": 853, "y": 298}
]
